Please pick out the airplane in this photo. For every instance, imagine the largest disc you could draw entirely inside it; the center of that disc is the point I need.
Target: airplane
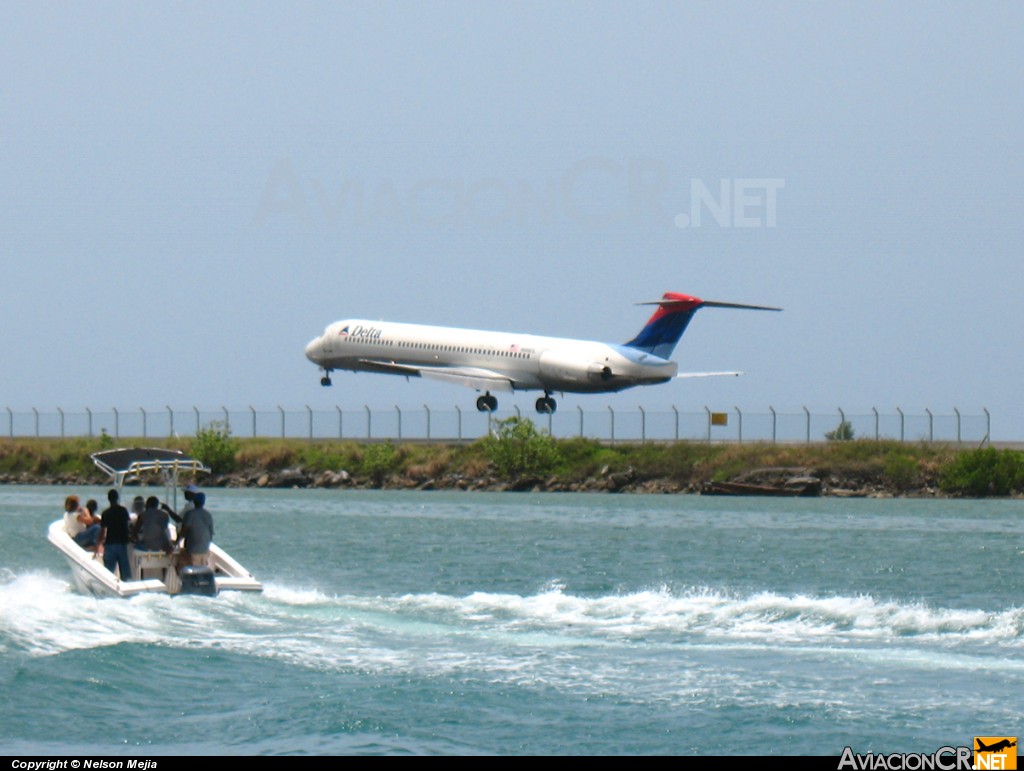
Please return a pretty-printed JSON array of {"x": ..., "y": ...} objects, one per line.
[
  {"x": 1002, "y": 744},
  {"x": 503, "y": 361}
]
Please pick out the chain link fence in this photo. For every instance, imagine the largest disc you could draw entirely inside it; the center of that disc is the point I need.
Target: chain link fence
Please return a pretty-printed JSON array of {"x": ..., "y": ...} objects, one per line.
[{"x": 452, "y": 425}]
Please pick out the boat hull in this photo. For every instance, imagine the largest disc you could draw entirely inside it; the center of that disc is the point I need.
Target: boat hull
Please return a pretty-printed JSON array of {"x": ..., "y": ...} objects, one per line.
[{"x": 154, "y": 573}]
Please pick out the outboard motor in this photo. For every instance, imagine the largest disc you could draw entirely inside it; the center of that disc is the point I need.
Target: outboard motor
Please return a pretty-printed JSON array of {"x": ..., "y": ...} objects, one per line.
[{"x": 198, "y": 579}]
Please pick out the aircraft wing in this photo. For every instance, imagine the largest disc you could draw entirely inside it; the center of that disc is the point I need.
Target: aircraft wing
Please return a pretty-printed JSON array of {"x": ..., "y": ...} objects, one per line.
[
  {"x": 709, "y": 374},
  {"x": 472, "y": 377}
]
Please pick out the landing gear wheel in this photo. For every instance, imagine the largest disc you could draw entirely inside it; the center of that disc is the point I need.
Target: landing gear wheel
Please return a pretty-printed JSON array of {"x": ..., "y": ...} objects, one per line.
[
  {"x": 325, "y": 381},
  {"x": 546, "y": 405},
  {"x": 487, "y": 403}
]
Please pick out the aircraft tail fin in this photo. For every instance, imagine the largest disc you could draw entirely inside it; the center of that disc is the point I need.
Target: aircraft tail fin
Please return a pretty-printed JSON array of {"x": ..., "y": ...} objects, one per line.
[{"x": 665, "y": 328}]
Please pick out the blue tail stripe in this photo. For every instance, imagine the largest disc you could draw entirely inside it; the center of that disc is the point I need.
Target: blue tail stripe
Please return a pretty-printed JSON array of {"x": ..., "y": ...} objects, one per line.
[{"x": 661, "y": 335}]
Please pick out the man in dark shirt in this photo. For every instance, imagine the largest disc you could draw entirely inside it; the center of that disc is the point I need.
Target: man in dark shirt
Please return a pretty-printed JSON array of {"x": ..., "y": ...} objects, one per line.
[
  {"x": 114, "y": 537},
  {"x": 151, "y": 527},
  {"x": 197, "y": 530}
]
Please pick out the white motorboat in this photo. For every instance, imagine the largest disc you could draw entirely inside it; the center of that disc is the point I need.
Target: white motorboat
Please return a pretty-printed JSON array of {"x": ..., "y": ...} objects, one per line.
[{"x": 151, "y": 571}]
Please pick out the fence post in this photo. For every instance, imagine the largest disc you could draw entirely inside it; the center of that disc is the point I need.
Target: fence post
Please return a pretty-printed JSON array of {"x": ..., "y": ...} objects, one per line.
[
  {"x": 400, "y": 422},
  {"x": 612, "y": 412},
  {"x": 519, "y": 413},
  {"x": 253, "y": 411},
  {"x": 170, "y": 418},
  {"x": 842, "y": 416},
  {"x": 369, "y": 420},
  {"x": 643, "y": 425},
  {"x": 931, "y": 433},
  {"x": 739, "y": 423},
  {"x": 196, "y": 411},
  {"x": 117, "y": 424},
  {"x": 459, "y": 411},
  {"x": 957, "y": 424},
  {"x": 37, "y": 421},
  {"x": 425, "y": 407},
  {"x": 988, "y": 426},
  {"x": 677, "y": 421},
  {"x": 901, "y": 422},
  {"x": 772, "y": 411},
  {"x": 876, "y": 422},
  {"x": 61, "y": 422},
  {"x": 10, "y": 422},
  {"x": 578, "y": 407},
  {"x": 708, "y": 413},
  {"x": 309, "y": 410},
  {"x": 338, "y": 408},
  {"x": 143, "y": 411},
  {"x": 89, "y": 413},
  {"x": 807, "y": 412},
  {"x": 281, "y": 410},
  {"x": 227, "y": 420}
]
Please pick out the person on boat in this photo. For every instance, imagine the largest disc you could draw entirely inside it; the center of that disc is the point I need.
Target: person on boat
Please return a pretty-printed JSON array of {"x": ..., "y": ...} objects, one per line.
[
  {"x": 81, "y": 524},
  {"x": 190, "y": 504},
  {"x": 138, "y": 506},
  {"x": 114, "y": 537},
  {"x": 197, "y": 532},
  {"x": 150, "y": 528}
]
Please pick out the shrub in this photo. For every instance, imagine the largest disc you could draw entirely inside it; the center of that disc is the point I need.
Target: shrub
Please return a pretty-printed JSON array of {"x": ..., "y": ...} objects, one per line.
[
  {"x": 984, "y": 472},
  {"x": 900, "y": 472},
  {"x": 841, "y": 433},
  {"x": 379, "y": 461},
  {"x": 214, "y": 446},
  {"x": 518, "y": 449}
]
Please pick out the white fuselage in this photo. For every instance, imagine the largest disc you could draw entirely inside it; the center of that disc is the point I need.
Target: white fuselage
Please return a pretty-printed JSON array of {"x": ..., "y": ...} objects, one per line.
[{"x": 474, "y": 357}]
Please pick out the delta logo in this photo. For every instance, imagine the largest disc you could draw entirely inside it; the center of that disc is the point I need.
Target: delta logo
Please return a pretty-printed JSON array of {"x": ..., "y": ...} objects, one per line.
[
  {"x": 995, "y": 752},
  {"x": 358, "y": 330}
]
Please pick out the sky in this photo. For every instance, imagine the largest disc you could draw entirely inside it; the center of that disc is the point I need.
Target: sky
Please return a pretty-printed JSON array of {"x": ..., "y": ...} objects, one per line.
[{"x": 190, "y": 192}]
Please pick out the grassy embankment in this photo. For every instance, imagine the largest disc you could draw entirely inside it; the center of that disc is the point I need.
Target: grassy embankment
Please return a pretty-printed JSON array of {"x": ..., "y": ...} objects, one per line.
[{"x": 520, "y": 453}]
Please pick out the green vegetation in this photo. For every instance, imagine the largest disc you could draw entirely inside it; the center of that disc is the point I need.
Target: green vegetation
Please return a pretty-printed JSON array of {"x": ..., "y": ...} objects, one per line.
[
  {"x": 379, "y": 461},
  {"x": 980, "y": 473},
  {"x": 518, "y": 455},
  {"x": 841, "y": 433},
  {"x": 517, "y": 449},
  {"x": 214, "y": 446}
]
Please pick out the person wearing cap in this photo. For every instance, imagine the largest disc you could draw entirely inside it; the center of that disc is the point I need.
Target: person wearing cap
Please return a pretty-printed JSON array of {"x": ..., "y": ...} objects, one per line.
[
  {"x": 197, "y": 532},
  {"x": 190, "y": 493}
]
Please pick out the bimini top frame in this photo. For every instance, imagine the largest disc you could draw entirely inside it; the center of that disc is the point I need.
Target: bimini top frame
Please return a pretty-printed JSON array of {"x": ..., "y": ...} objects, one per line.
[{"x": 128, "y": 464}]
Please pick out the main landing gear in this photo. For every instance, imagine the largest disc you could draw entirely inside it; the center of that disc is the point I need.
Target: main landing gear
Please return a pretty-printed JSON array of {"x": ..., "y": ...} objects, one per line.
[
  {"x": 487, "y": 403},
  {"x": 326, "y": 379},
  {"x": 546, "y": 405}
]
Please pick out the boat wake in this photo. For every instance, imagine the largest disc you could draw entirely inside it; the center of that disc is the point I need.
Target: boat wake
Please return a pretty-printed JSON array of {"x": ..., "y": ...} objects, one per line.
[{"x": 41, "y": 615}]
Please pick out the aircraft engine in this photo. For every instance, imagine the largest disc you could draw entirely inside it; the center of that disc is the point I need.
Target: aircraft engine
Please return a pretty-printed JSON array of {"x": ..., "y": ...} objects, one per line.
[{"x": 561, "y": 367}]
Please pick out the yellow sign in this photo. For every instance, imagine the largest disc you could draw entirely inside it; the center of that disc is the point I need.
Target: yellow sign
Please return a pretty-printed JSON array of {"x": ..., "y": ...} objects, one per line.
[
  {"x": 995, "y": 752},
  {"x": 719, "y": 418}
]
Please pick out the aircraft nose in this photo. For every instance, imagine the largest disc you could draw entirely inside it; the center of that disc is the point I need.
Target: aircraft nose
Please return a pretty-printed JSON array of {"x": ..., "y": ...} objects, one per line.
[{"x": 314, "y": 350}]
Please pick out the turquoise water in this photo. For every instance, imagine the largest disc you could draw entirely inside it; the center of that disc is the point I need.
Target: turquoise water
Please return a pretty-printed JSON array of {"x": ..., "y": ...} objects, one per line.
[{"x": 517, "y": 623}]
